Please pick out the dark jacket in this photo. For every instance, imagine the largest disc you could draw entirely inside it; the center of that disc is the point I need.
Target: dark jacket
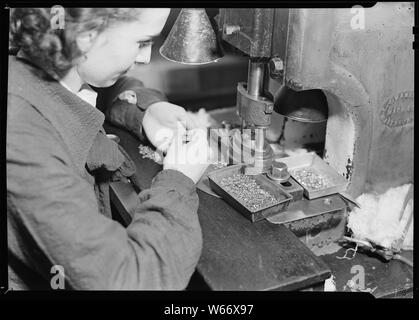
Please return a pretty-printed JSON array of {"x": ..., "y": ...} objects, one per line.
[{"x": 56, "y": 152}]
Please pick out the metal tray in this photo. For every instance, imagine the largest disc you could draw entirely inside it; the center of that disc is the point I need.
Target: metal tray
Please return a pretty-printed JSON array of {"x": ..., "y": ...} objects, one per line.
[
  {"x": 216, "y": 176},
  {"x": 337, "y": 182}
]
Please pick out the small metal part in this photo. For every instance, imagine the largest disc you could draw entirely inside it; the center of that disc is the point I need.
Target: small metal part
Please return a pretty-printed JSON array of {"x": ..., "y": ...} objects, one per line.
[
  {"x": 269, "y": 108},
  {"x": 280, "y": 175},
  {"x": 279, "y": 171},
  {"x": 276, "y": 67},
  {"x": 293, "y": 188}
]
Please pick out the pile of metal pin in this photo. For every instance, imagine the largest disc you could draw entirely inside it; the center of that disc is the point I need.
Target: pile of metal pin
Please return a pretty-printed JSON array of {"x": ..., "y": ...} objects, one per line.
[
  {"x": 219, "y": 164},
  {"x": 310, "y": 179},
  {"x": 149, "y": 153},
  {"x": 246, "y": 190}
]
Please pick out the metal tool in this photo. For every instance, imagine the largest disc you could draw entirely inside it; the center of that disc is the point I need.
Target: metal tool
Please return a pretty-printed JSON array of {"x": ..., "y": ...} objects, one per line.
[
  {"x": 279, "y": 171},
  {"x": 280, "y": 175},
  {"x": 349, "y": 198}
]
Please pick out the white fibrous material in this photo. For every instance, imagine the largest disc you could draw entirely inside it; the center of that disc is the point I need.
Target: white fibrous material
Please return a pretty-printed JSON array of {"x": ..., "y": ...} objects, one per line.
[
  {"x": 200, "y": 119},
  {"x": 377, "y": 221}
]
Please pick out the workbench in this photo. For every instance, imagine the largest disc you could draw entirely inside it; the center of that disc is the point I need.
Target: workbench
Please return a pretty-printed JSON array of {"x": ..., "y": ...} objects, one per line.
[
  {"x": 237, "y": 254},
  {"x": 240, "y": 255}
]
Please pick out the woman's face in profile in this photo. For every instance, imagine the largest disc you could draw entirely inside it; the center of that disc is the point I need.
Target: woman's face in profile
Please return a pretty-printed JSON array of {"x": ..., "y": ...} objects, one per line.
[{"x": 115, "y": 50}]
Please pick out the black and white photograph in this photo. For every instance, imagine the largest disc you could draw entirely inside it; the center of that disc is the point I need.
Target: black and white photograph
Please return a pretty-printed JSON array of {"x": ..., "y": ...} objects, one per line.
[{"x": 209, "y": 150}]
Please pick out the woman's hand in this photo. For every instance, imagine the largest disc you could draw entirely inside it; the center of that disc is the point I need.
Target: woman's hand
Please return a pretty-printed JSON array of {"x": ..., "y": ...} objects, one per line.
[
  {"x": 160, "y": 122},
  {"x": 189, "y": 157}
]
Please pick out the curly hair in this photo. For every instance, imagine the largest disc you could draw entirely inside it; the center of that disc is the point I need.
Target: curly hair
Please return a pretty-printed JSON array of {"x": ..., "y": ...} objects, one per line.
[{"x": 54, "y": 50}]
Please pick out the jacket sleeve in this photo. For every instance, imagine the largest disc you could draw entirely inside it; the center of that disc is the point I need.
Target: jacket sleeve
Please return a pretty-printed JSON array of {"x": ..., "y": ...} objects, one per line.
[
  {"x": 122, "y": 113},
  {"x": 57, "y": 211}
]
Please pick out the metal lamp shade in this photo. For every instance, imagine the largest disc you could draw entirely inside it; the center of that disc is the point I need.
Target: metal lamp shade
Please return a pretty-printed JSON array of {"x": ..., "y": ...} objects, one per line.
[{"x": 192, "y": 39}]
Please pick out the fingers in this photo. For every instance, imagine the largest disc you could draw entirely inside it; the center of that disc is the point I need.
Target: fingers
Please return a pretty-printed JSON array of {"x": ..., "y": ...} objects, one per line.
[
  {"x": 164, "y": 145},
  {"x": 198, "y": 148},
  {"x": 165, "y": 136},
  {"x": 181, "y": 128},
  {"x": 178, "y": 115},
  {"x": 200, "y": 137},
  {"x": 193, "y": 150},
  {"x": 162, "y": 139}
]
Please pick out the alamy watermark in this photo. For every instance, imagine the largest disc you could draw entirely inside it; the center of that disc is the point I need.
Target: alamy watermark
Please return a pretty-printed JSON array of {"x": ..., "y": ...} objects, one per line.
[
  {"x": 357, "y": 282},
  {"x": 58, "y": 278},
  {"x": 57, "y": 20},
  {"x": 358, "y": 18},
  {"x": 239, "y": 147}
]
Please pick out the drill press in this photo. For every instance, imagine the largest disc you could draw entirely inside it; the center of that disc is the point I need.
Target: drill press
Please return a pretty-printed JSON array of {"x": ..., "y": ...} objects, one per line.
[
  {"x": 254, "y": 109},
  {"x": 366, "y": 76},
  {"x": 253, "y": 32},
  {"x": 365, "y": 73}
]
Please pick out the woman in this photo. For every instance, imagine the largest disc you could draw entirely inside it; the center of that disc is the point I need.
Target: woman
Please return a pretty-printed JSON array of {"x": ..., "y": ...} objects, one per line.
[{"x": 60, "y": 162}]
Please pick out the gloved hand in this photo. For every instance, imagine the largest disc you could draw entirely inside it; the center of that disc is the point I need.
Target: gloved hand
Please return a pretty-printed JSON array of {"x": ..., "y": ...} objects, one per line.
[
  {"x": 189, "y": 157},
  {"x": 160, "y": 122}
]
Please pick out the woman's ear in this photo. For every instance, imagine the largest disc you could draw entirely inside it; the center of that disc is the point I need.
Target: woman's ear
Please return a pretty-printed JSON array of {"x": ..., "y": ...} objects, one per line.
[{"x": 85, "y": 40}]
